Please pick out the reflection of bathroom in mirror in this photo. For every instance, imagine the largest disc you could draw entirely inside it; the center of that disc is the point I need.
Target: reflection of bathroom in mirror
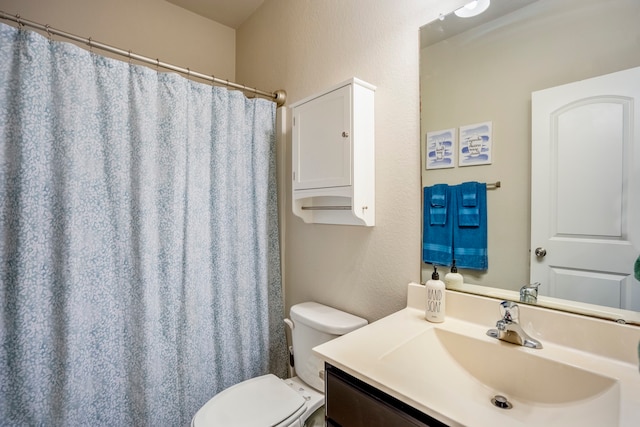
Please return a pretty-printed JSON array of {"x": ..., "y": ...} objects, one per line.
[{"x": 487, "y": 72}]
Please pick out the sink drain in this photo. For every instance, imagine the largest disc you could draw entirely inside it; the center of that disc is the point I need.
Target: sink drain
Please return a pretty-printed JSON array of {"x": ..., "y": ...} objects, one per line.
[{"x": 501, "y": 402}]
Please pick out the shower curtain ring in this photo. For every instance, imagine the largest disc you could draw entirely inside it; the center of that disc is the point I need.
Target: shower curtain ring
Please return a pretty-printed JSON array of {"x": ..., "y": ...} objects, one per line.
[
  {"x": 48, "y": 29},
  {"x": 157, "y": 64},
  {"x": 129, "y": 56},
  {"x": 90, "y": 44},
  {"x": 19, "y": 21}
]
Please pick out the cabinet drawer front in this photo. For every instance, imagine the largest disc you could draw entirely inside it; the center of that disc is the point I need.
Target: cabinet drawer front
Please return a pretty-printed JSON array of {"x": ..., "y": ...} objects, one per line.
[{"x": 353, "y": 403}]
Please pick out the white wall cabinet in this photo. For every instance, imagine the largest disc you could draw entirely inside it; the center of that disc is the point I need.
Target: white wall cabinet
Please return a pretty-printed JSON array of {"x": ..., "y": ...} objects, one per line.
[{"x": 333, "y": 156}]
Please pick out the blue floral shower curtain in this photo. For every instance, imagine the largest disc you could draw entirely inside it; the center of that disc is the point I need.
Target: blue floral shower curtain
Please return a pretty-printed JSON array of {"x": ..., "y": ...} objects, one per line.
[{"x": 138, "y": 239}]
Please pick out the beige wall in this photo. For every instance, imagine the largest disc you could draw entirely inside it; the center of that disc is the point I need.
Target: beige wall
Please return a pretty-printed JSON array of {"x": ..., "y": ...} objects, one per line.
[
  {"x": 153, "y": 28},
  {"x": 305, "y": 46},
  {"x": 488, "y": 74}
]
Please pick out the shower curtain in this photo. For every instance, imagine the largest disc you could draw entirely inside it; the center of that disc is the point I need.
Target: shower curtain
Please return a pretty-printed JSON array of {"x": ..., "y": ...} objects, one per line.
[{"x": 138, "y": 239}]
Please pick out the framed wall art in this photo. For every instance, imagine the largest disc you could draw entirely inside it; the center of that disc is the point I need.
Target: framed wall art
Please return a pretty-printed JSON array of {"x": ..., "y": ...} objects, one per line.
[
  {"x": 475, "y": 144},
  {"x": 440, "y": 149}
]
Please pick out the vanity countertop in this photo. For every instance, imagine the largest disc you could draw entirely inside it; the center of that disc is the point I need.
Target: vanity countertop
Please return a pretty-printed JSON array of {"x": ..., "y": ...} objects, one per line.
[{"x": 392, "y": 355}]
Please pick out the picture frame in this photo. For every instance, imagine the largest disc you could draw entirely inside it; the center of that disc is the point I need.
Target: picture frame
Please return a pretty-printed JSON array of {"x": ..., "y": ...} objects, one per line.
[
  {"x": 476, "y": 142},
  {"x": 440, "y": 149}
]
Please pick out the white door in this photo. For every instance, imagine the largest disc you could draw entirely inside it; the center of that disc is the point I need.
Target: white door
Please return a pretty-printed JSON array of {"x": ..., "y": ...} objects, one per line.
[{"x": 585, "y": 190}]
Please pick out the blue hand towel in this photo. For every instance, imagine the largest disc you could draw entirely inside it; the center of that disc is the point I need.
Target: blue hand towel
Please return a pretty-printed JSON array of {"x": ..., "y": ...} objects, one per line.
[
  {"x": 470, "y": 242},
  {"x": 437, "y": 237},
  {"x": 469, "y": 194},
  {"x": 438, "y": 208},
  {"x": 468, "y": 211}
]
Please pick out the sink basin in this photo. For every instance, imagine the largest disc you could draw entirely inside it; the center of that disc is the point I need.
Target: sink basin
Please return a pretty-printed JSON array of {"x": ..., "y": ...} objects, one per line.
[
  {"x": 505, "y": 368},
  {"x": 471, "y": 371}
]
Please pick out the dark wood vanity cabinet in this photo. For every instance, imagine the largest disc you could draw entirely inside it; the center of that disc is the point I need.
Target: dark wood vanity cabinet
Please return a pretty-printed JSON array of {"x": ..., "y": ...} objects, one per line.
[{"x": 351, "y": 402}]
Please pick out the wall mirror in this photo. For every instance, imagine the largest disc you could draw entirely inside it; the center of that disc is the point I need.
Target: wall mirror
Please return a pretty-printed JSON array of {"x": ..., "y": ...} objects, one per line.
[{"x": 485, "y": 69}]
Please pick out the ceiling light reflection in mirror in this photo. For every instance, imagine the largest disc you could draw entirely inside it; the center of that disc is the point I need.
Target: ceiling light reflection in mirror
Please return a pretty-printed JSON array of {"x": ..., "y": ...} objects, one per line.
[{"x": 473, "y": 8}]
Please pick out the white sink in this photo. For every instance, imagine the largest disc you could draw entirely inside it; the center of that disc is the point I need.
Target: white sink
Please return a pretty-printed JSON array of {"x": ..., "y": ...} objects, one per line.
[
  {"x": 468, "y": 371},
  {"x": 452, "y": 370}
]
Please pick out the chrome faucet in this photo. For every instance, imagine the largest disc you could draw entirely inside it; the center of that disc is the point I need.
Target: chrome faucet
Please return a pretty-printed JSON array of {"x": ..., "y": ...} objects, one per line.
[
  {"x": 508, "y": 329},
  {"x": 529, "y": 293}
]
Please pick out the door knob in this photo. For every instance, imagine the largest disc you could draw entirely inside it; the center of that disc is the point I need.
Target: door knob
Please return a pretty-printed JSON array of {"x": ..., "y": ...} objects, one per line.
[{"x": 541, "y": 252}]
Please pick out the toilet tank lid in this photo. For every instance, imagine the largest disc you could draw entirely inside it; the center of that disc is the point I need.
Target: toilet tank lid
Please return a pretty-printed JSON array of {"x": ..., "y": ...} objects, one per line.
[{"x": 326, "y": 319}]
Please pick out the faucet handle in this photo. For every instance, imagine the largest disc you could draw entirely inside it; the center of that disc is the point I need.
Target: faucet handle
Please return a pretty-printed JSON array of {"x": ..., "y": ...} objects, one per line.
[
  {"x": 534, "y": 286},
  {"x": 509, "y": 311},
  {"x": 529, "y": 293}
]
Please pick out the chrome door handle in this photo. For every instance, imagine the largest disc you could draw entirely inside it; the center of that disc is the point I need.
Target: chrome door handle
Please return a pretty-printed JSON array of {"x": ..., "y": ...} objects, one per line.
[{"x": 541, "y": 252}]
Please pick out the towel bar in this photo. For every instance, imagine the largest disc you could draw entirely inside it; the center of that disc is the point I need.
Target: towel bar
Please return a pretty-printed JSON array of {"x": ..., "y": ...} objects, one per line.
[{"x": 326, "y": 208}]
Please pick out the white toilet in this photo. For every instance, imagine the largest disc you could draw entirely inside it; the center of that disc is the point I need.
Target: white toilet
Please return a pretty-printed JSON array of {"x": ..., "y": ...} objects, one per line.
[{"x": 268, "y": 401}]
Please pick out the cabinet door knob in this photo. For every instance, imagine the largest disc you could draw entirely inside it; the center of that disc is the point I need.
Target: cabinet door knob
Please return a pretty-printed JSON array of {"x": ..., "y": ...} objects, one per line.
[{"x": 345, "y": 134}]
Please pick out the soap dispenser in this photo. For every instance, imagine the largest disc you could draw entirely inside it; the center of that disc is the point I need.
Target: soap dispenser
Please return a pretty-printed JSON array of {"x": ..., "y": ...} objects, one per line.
[
  {"x": 434, "y": 311},
  {"x": 453, "y": 279}
]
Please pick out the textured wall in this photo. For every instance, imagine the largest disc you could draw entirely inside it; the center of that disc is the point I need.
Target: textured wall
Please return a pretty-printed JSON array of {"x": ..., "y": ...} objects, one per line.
[
  {"x": 153, "y": 28},
  {"x": 305, "y": 46}
]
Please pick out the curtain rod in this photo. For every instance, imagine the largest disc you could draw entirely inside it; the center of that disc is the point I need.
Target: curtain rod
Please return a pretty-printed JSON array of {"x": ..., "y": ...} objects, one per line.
[{"x": 278, "y": 96}]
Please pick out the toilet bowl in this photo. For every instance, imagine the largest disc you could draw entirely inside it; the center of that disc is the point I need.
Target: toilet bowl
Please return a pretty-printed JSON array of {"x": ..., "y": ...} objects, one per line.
[{"x": 269, "y": 401}]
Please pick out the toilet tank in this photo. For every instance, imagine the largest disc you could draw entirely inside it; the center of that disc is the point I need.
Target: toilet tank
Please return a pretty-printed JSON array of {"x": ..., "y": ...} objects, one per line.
[{"x": 315, "y": 324}]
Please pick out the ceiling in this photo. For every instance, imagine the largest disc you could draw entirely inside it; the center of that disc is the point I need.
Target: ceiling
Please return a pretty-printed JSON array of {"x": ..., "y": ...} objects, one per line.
[{"x": 231, "y": 13}]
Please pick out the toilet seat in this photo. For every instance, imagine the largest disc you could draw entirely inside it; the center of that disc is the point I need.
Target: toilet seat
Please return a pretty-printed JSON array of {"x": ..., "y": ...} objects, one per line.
[
  {"x": 260, "y": 402},
  {"x": 268, "y": 401}
]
